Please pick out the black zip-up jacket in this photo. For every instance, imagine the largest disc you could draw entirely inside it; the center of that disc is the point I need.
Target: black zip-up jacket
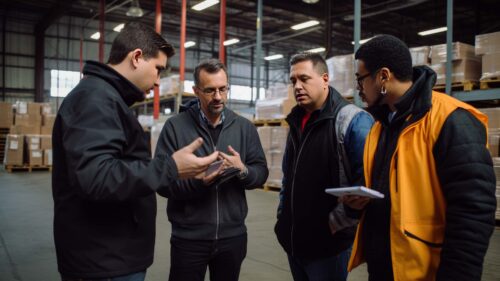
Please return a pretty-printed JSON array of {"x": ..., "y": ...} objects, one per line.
[
  {"x": 201, "y": 212},
  {"x": 104, "y": 180},
  {"x": 464, "y": 167}
]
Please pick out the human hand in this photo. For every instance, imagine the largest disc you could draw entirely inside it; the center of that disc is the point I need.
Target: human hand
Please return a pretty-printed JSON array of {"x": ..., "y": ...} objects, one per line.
[
  {"x": 232, "y": 160},
  {"x": 188, "y": 164},
  {"x": 355, "y": 202}
]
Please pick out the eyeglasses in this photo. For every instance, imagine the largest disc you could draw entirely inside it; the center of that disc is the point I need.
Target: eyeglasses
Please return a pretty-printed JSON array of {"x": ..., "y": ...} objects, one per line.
[
  {"x": 211, "y": 91},
  {"x": 360, "y": 79}
]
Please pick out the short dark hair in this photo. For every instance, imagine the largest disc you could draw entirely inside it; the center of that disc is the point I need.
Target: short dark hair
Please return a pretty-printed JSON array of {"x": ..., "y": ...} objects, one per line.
[
  {"x": 137, "y": 35},
  {"x": 209, "y": 65},
  {"x": 319, "y": 63},
  {"x": 386, "y": 51}
]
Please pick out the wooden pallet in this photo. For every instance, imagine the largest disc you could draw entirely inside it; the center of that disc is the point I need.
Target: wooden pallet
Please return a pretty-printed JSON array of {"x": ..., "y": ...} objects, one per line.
[
  {"x": 29, "y": 168},
  {"x": 458, "y": 86},
  {"x": 489, "y": 83},
  {"x": 268, "y": 186},
  {"x": 270, "y": 122}
]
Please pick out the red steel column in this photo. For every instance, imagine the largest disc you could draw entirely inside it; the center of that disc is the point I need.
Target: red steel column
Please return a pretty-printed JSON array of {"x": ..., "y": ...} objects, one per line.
[
  {"x": 156, "y": 101},
  {"x": 222, "y": 31},
  {"x": 102, "y": 5}
]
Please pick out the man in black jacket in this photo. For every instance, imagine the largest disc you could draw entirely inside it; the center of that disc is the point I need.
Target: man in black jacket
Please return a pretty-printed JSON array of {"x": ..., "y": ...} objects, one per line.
[
  {"x": 324, "y": 149},
  {"x": 208, "y": 216},
  {"x": 104, "y": 180},
  {"x": 427, "y": 154}
]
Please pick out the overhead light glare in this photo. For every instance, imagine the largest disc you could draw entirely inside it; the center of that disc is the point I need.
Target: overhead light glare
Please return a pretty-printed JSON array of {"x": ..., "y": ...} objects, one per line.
[
  {"x": 363, "y": 41},
  {"x": 274, "y": 57},
  {"x": 119, "y": 27},
  {"x": 305, "y": 24},
  {"x": 310, "y": 1},
  {"x": 135, "y": 10},
  {"x": 205, "y": 4},
  {"x": 95, "y": 36},
  {"x": 433, "y": 31},
  {"x": 189, "y": 44},
  {"x": 316, "y": 50},
  {"x": 231, "y": 41}
]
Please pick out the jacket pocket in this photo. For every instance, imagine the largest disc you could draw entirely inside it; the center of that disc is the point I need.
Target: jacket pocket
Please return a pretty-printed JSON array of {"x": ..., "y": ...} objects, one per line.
[{"x": 429, "y": 234}]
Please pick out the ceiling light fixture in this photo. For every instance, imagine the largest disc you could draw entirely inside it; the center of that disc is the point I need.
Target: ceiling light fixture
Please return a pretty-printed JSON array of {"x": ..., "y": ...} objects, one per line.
[
  {"x": 305, "y": 24},
  {"x": 432, "y": 31},
  {"x": 310, "y": 1},
  {"x": 363, "y": 41},
  {"x": 189, "y": 44},
  {"x": 95, "y": 36},
  {"x": 135, "y": 10},
  {"x": 205, "y": 4},
  {"x": 231, "y": 41},
  {"x": 316, "y": 50},
  {"x": 119, "y": 27},
  {"x": 274, "y": 57}
]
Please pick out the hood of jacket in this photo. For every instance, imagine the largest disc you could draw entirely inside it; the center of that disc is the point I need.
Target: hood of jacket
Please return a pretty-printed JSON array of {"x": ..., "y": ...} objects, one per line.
[{"x": 128, "y": 91}]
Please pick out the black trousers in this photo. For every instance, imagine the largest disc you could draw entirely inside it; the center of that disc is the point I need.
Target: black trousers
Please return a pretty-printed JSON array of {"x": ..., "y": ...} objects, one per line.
[{"x": 189, "y": 258}]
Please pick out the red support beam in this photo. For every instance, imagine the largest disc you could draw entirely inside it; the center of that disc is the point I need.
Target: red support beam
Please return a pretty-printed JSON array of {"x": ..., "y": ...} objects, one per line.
[
  {"x": 156, "y": 100},
  {"x": 222, "y": 31},
  {"x": 102, "y": 4}
]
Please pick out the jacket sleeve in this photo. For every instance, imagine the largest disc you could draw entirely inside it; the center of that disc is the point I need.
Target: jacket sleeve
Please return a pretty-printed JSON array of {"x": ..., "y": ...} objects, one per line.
[
  {"x": 465, "y": 171},
  {"x": 355, "y": 142},
  {"x": 179, "y": 189},
  {"x": 255, "y": 160},
  {"x": 94, "y": 142},
  {"x": 283, "y": 181}
]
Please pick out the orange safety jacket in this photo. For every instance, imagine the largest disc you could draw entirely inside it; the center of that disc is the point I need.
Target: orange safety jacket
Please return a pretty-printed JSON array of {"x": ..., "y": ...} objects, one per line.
[{"x": 418, "y": 207}]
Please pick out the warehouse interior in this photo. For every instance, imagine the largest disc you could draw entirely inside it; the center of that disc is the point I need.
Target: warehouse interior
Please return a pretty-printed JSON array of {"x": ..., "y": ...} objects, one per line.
[{"x": 45, "y": 43}]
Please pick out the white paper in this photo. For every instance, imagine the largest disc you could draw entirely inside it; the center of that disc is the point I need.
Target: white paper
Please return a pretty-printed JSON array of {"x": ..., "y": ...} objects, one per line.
[{"x": 14, "y": 144}]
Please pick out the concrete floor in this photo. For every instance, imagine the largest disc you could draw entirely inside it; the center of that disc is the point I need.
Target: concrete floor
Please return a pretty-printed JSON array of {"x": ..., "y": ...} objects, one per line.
[{"x": 27, "y": 249}]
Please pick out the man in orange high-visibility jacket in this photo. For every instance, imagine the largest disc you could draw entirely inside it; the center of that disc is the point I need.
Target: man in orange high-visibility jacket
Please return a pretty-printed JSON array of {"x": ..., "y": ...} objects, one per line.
[{"x": 427, "y": 153}]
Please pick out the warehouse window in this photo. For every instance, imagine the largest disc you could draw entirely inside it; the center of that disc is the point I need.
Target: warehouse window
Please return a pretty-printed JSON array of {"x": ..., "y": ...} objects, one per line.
[{"x": 62, "y": 82}]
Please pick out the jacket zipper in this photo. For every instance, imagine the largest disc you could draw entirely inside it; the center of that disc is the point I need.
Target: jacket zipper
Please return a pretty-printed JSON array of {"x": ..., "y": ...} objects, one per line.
[{"x": 430, "y": 244}]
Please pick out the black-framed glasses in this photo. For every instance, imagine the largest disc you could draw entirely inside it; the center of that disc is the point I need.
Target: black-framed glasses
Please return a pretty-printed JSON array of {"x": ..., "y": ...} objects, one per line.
[
  {"x": 360, "y": 79},
  {"x": 211, "y": 91}
]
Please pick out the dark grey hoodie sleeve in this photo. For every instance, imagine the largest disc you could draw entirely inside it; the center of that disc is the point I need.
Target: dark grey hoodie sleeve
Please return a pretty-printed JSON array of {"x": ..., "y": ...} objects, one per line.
[{"x": 255, "y": 160}]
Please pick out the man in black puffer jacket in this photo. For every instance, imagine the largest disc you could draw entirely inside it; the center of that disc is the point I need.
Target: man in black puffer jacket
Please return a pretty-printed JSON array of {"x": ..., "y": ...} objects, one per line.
[
  {"x": 208, "y": 217},
  {"x": 103, "y": 179}
]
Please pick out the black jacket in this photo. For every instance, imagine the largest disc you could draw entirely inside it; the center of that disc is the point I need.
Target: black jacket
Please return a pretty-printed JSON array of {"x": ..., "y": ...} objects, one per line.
[
  {"x": 212, "y": 212},
  {"x": 465, "y": 172},
  {"x": 103, "y": 179},
  {"x": 311, "y": 164}
]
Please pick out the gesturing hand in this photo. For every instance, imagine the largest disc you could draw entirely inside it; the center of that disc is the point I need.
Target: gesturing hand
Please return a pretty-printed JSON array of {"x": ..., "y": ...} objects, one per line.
[
  {"x": 233, "y": 160},
  {"x": 188, "y": 164}
]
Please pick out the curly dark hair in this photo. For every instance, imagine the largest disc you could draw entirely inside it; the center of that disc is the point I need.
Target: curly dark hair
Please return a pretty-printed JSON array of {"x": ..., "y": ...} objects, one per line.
[{"x": 387, "y": 51}]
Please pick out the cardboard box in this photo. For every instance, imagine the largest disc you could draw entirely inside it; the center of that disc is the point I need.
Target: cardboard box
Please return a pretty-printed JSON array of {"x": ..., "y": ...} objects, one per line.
[
  {"x": 493, "y": 114},
  {"x": 280, "y": 90},
  {"x": 46, "y": 130},
  {"x": 21, "y": 107},
  {"x": 34, "y": 108},
  {"x": 459, "y": 51},
  {"x": 463, "y": 70},
  {"x": 494, "y": 143},
  {"x": 265, "y": 137},
  {"x": 28, "y": 120},
  {"x": 47, "y": 157},
  {"x": 276, "y": 158},
  {"x": 420, "y": 55},
  {"x": 32, "y": 142},
  {"x": 14, "y": 150},
  {"x": 490, "y": 66},
  {"x": 48, "y": 120},
  {"x": 278, "y": 138},
  {"x": 341, "y": 71},
  {"x": 45, "y": 142},
  {"x": 6, "y": 115},
  {"x": 46, "y": 108},
  {"x": 23, "y": 130},
  {"x": 275, "y": 177},
  {"x": 273, "y": 108},
  {"x": 487, "y": 43},
  {"x": 35, "y": 157}
]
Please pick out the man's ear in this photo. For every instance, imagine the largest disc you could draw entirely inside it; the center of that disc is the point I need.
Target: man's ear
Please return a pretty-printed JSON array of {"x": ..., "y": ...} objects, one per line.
[
  {"x": 325, "y": 77},
  {"x": 385, "y": 74},
  {"x": 135, "y": 55}
]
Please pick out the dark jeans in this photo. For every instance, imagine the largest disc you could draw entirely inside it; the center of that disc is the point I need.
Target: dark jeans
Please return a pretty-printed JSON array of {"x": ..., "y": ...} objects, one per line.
[
  {"x": 138, "y": 276},
  {"x": 189, "y": 258},
  {"x": 327, "y": 269}
]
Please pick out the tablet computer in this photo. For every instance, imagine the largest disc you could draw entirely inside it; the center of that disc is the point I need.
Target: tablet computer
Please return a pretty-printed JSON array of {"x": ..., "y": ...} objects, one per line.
[
  {"x": 213, "y": 167},
  {"x": 354, "y": 190}
]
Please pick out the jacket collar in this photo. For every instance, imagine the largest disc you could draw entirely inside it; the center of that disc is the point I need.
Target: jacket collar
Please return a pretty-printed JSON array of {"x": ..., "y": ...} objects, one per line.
[
  {"x": 326, "y": 111},
  {"x": 128, "y": 91},
  {"x": 192, "y": 107}
]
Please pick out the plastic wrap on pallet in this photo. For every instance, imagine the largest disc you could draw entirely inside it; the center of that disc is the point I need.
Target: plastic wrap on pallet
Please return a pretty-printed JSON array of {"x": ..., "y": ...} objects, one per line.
[
  {"x": 459, "y": 51},
  {"x": 463, "y": 70},
  {"x": 487, "y": 43},
  {"x": 494, "y": 142},
  {"x": 493, "y": 114},
  {"x": 278, "y": 138},
  {"x": 490, "y": 66},
  {"x": 265, "y": 137},
  {"x": 279, "y": 90},
  {"x": 341, "y": 74},
  {"x": 169, "y": 85},
  {"x": 275, "y": 176},
  {"x": 273, "y": 108},
  {"x": 420, "y": 55}
]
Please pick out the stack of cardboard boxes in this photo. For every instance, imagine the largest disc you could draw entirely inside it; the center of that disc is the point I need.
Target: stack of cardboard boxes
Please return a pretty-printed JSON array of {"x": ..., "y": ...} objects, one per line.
[
  {"x": 466, "y": 66},
  {"x": 420, "y": 55},
  {"x": 277, "y": 107},
  {"x": 341, "y": 74},
  {"x": 273, "y": 140},
  {"x": 488, "y": 47},
  {"x": 30, "y": 138}
]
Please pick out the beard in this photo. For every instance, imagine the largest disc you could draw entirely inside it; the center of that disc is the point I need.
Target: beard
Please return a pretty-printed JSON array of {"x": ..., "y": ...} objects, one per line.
[{"x": 215, "y": 110}]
